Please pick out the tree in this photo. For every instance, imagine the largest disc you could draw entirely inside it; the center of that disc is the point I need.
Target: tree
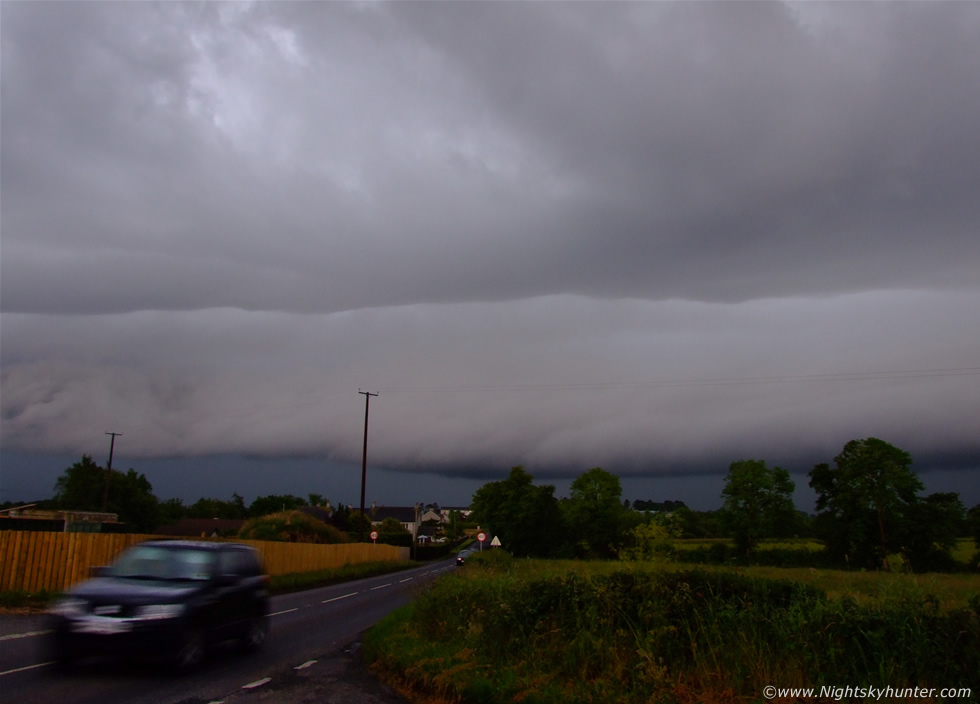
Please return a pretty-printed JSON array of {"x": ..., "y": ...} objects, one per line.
[
  {"x": 82, "y": 486},
  {"x": 758, "y": 503},
  {"x": 340, "y": 518},
  {"x": 171, "y": 511},
  {"x": 525, "y": 517},
  {"x": 455, "y": 526},
  {"x": 594, "y": 513},
  {"x": 359, "y": 525},
  {"x": 391, "y": 531},
  {"x": 699, "y": 524},
  {"x": 652, "y": 540},
  {"x": 934, "y": 524},
  {"x": 973, "y": 524},
  {"x": 865, "y": 501},
  {"x": 216, "y": 508}
]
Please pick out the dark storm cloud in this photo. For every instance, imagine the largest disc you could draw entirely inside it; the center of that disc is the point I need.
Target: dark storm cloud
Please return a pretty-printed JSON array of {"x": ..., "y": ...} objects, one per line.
[
  {"x": 655, "y": 237},
  {"x": 327, "y": 156}
]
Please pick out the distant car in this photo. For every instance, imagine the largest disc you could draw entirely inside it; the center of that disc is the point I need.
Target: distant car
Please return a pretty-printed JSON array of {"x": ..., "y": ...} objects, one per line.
[
  {"x": 462, "y": 555},
  {"x": 169, "y": 599}
]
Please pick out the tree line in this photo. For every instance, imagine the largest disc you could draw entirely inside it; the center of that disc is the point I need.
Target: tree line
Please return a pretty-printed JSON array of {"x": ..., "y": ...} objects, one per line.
[
  {"x": 82, "y": 487},
  {"x": 869, "y": 506}
]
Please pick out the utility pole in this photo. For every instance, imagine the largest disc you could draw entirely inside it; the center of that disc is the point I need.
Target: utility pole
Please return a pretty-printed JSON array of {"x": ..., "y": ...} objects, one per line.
[
  {"x": 108, "y": 472},
  {"x": 367, "y": 404}
]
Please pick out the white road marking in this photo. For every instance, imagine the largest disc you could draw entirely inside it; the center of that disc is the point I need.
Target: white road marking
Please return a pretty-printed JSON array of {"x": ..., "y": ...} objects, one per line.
[
  {"x": 14, "y": 636},
  {"x": 257, "y": 683},
  {"x": 381, "y": 586},
  {"x": 29, "y": 667},
  {"x": 338, "y": 598},
  {"x": 287, "y": 611},
  {"x": 305, "y": 665},
  {"x": 408, "y": 579}
]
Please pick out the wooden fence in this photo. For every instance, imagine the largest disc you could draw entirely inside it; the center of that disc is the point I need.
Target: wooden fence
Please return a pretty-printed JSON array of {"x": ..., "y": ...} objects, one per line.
[{"x": 33, "y": 561}]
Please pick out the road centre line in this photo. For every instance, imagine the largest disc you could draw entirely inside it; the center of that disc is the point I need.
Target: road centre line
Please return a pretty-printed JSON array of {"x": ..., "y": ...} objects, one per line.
[
  {"x": 407, "y": 579},
  {"x": 287, "y": 611},
  {"x": 29, "y": 667},
  {"x": 305, "y": 665},
  {"x": 257, "y": 683},
  {"x": 338, "y": 598},
  {"x": 380, "y": 586},
  {"x": 15, "y": 636}
]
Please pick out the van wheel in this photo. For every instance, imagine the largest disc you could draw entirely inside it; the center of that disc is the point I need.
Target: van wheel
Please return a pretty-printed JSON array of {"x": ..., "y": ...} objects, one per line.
[
  {"x": 256, "y": 631},
  {"x": 64, "y": 658},
  {"x": 191, "y": 651}
]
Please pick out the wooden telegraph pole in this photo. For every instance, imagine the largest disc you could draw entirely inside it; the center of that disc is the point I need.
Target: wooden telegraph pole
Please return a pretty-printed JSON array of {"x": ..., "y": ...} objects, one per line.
[
  {"x": 367, "y": 404},
  {"x": 108, "y": 473}
]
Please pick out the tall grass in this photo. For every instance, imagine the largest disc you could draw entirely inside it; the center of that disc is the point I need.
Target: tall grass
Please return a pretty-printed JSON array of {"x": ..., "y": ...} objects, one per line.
[{"x": 518, "y": 631}]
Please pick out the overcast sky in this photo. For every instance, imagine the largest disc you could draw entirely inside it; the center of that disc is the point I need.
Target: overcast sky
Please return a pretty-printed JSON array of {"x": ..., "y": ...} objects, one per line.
[{"x": 651, "y": 237}]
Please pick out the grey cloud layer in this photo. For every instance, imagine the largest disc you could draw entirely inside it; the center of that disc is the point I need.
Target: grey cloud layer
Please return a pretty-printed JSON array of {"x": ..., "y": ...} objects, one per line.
[
  {"x": 323, "y": 157},
  {"x": 655, "y": 237},
  {"x": 639, "y": 386}
]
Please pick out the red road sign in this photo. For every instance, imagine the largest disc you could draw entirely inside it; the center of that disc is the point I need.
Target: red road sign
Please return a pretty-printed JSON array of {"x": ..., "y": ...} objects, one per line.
[
  {"x": 374, "y": 535},
  {"x": 481, "y": 536}
]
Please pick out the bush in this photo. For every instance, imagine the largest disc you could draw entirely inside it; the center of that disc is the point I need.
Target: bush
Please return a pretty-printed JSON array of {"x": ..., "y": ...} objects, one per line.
[{"x": 291, "y": 527}]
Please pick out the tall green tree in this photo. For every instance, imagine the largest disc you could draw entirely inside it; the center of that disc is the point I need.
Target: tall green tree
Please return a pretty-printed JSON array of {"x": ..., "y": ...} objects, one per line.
[
  {"x": 525, "y": 517},
  {"x": 865, "y": 501},
  {"x": 594, "y": 513},
  {"x": 758, "y": 503},
  {"x": 934, "y": 524},
  {"x": 81, "y": 487}
]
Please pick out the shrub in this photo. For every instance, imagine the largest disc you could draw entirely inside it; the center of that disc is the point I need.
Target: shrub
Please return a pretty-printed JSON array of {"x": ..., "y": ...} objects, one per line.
[{"x": 291, "y": 527}]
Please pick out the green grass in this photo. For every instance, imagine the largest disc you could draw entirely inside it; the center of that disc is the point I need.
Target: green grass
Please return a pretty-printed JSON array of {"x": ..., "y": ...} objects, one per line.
[
  {"x": 23, "y": 601},
  {"x": 798, "y": 552},
  {"x": 965, "y": 551},
  {"x": 504, "y": 630}
]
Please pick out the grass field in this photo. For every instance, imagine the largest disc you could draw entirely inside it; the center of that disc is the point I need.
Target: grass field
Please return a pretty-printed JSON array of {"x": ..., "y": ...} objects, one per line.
[{"x": 567, "y": 632}]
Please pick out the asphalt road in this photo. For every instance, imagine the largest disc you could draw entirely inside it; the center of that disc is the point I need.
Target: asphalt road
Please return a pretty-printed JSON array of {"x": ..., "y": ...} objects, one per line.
[{"x": 305, "y": 659}]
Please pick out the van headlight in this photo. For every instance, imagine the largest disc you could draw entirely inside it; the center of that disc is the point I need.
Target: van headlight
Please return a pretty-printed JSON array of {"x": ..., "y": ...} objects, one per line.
[
  {"x": 155, "y": 612},
  {"x": 69, "y": 608}
]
